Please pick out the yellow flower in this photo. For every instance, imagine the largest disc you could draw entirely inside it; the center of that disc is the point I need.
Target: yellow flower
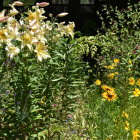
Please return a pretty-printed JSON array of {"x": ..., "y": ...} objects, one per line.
[
  {"x": 124, "y": 114},
  {"x": 109, "y": 95},
  {"x": 116, "y": 60},
  {"x": 98, "y": 82},
  {"x": 69, "y": 29},
  {"x": 111, "y": 75},
  {"x": 41, "y": 51},
  {"x": 136, "y": 134},
  {"x": 27, "y": 39},
  {"x": 107, "y": 88},
  {"x": 127, "y": 126},
  {"x": 110, "y": 66},
  {"x": 2, "y": 34},
  {"x": 131, "y": 81},
  {"x": 35, "y": 15},
  {"x": 136, "y": 92},
  {"x": 138, "y": 82},
  {"x": 12, "y": 51}
]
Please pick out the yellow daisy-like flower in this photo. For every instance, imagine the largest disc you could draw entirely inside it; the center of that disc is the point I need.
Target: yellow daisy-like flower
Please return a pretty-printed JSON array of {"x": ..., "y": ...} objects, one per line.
[
  {"x": 110, "y": 96},
  {"x": 111, "y": 75},
  {"x": 116, "y": 60},
  {"x": 107, "y": 88},
  {"x": 124, "y": 114},
  {"x": 136, "y": 92},
  {"x": 138, "y": 82},
  {"x": 136, "y": 134},
  {"x": 111, "y": 66},
  {"x": 127, "y": 126},
  {"x": 41, "y": 51},
  {"x": 12, "y": 51},
  {"x": 131, "y": 81},
  {"x": 97, "y": 82}
]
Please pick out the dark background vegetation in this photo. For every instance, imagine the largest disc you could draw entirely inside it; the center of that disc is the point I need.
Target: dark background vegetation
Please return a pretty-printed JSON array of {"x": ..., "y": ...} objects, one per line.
[{"x": 82, "y": 12}]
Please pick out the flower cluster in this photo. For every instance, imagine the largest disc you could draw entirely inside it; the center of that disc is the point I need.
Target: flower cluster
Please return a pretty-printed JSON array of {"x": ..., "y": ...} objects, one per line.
[
  {"x": 109, "y": 93},
  {"x": 32, "y": 32},
  {"x": 136, "y": 134}
]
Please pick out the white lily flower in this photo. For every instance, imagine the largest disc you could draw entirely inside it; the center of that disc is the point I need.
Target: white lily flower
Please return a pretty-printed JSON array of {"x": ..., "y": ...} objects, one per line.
[{"x": 12, "y": 51}]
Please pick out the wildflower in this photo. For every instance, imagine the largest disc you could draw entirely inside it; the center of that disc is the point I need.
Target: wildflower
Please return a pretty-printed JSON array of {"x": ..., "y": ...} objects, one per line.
[
  {"x": 136, "y": 92},
  {"x": 127, "y": 126},
  {"x": 131, "y": 81},
  {"x": 107, "y": 88},
  {"x": 110, "y": 66},
  {"x": 12, "y": 51},
  {"x": 109, "y": 95},
  {"x": 124, "y": 114},
  {"x": 98, "y": 82},
  {"x": 41, "y": 51},
  {"x": 138, "y": 82},
  {"x": 111, "y": 75},
  {"x": 62, "y": 14},
  {"x": 116, "y": 60},
  {"x": 136, "y": 134}
]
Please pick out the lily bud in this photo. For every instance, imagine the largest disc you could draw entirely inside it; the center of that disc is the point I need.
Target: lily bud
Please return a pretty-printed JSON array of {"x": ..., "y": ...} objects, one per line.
[
  {"x": 42, "y": 4},
  {"x": 18, "y": 3},
  {"x": 3, "y": 19},
  {"x": 62, "y": 14}
]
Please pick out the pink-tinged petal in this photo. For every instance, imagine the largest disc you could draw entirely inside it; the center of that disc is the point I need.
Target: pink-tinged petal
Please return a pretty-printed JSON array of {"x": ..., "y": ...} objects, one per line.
[
  {"x": 42, "y": 4},
  {"x": 3, "y": 19},
  {"x": 32, "y": 23}
]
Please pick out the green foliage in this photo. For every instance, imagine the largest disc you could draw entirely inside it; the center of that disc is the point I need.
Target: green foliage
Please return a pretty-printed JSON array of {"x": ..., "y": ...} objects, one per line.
[
  {"x": 37, "y": 94},
  {"x": 117, "y": 63},
  {"x": 48, "y": 98}
]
